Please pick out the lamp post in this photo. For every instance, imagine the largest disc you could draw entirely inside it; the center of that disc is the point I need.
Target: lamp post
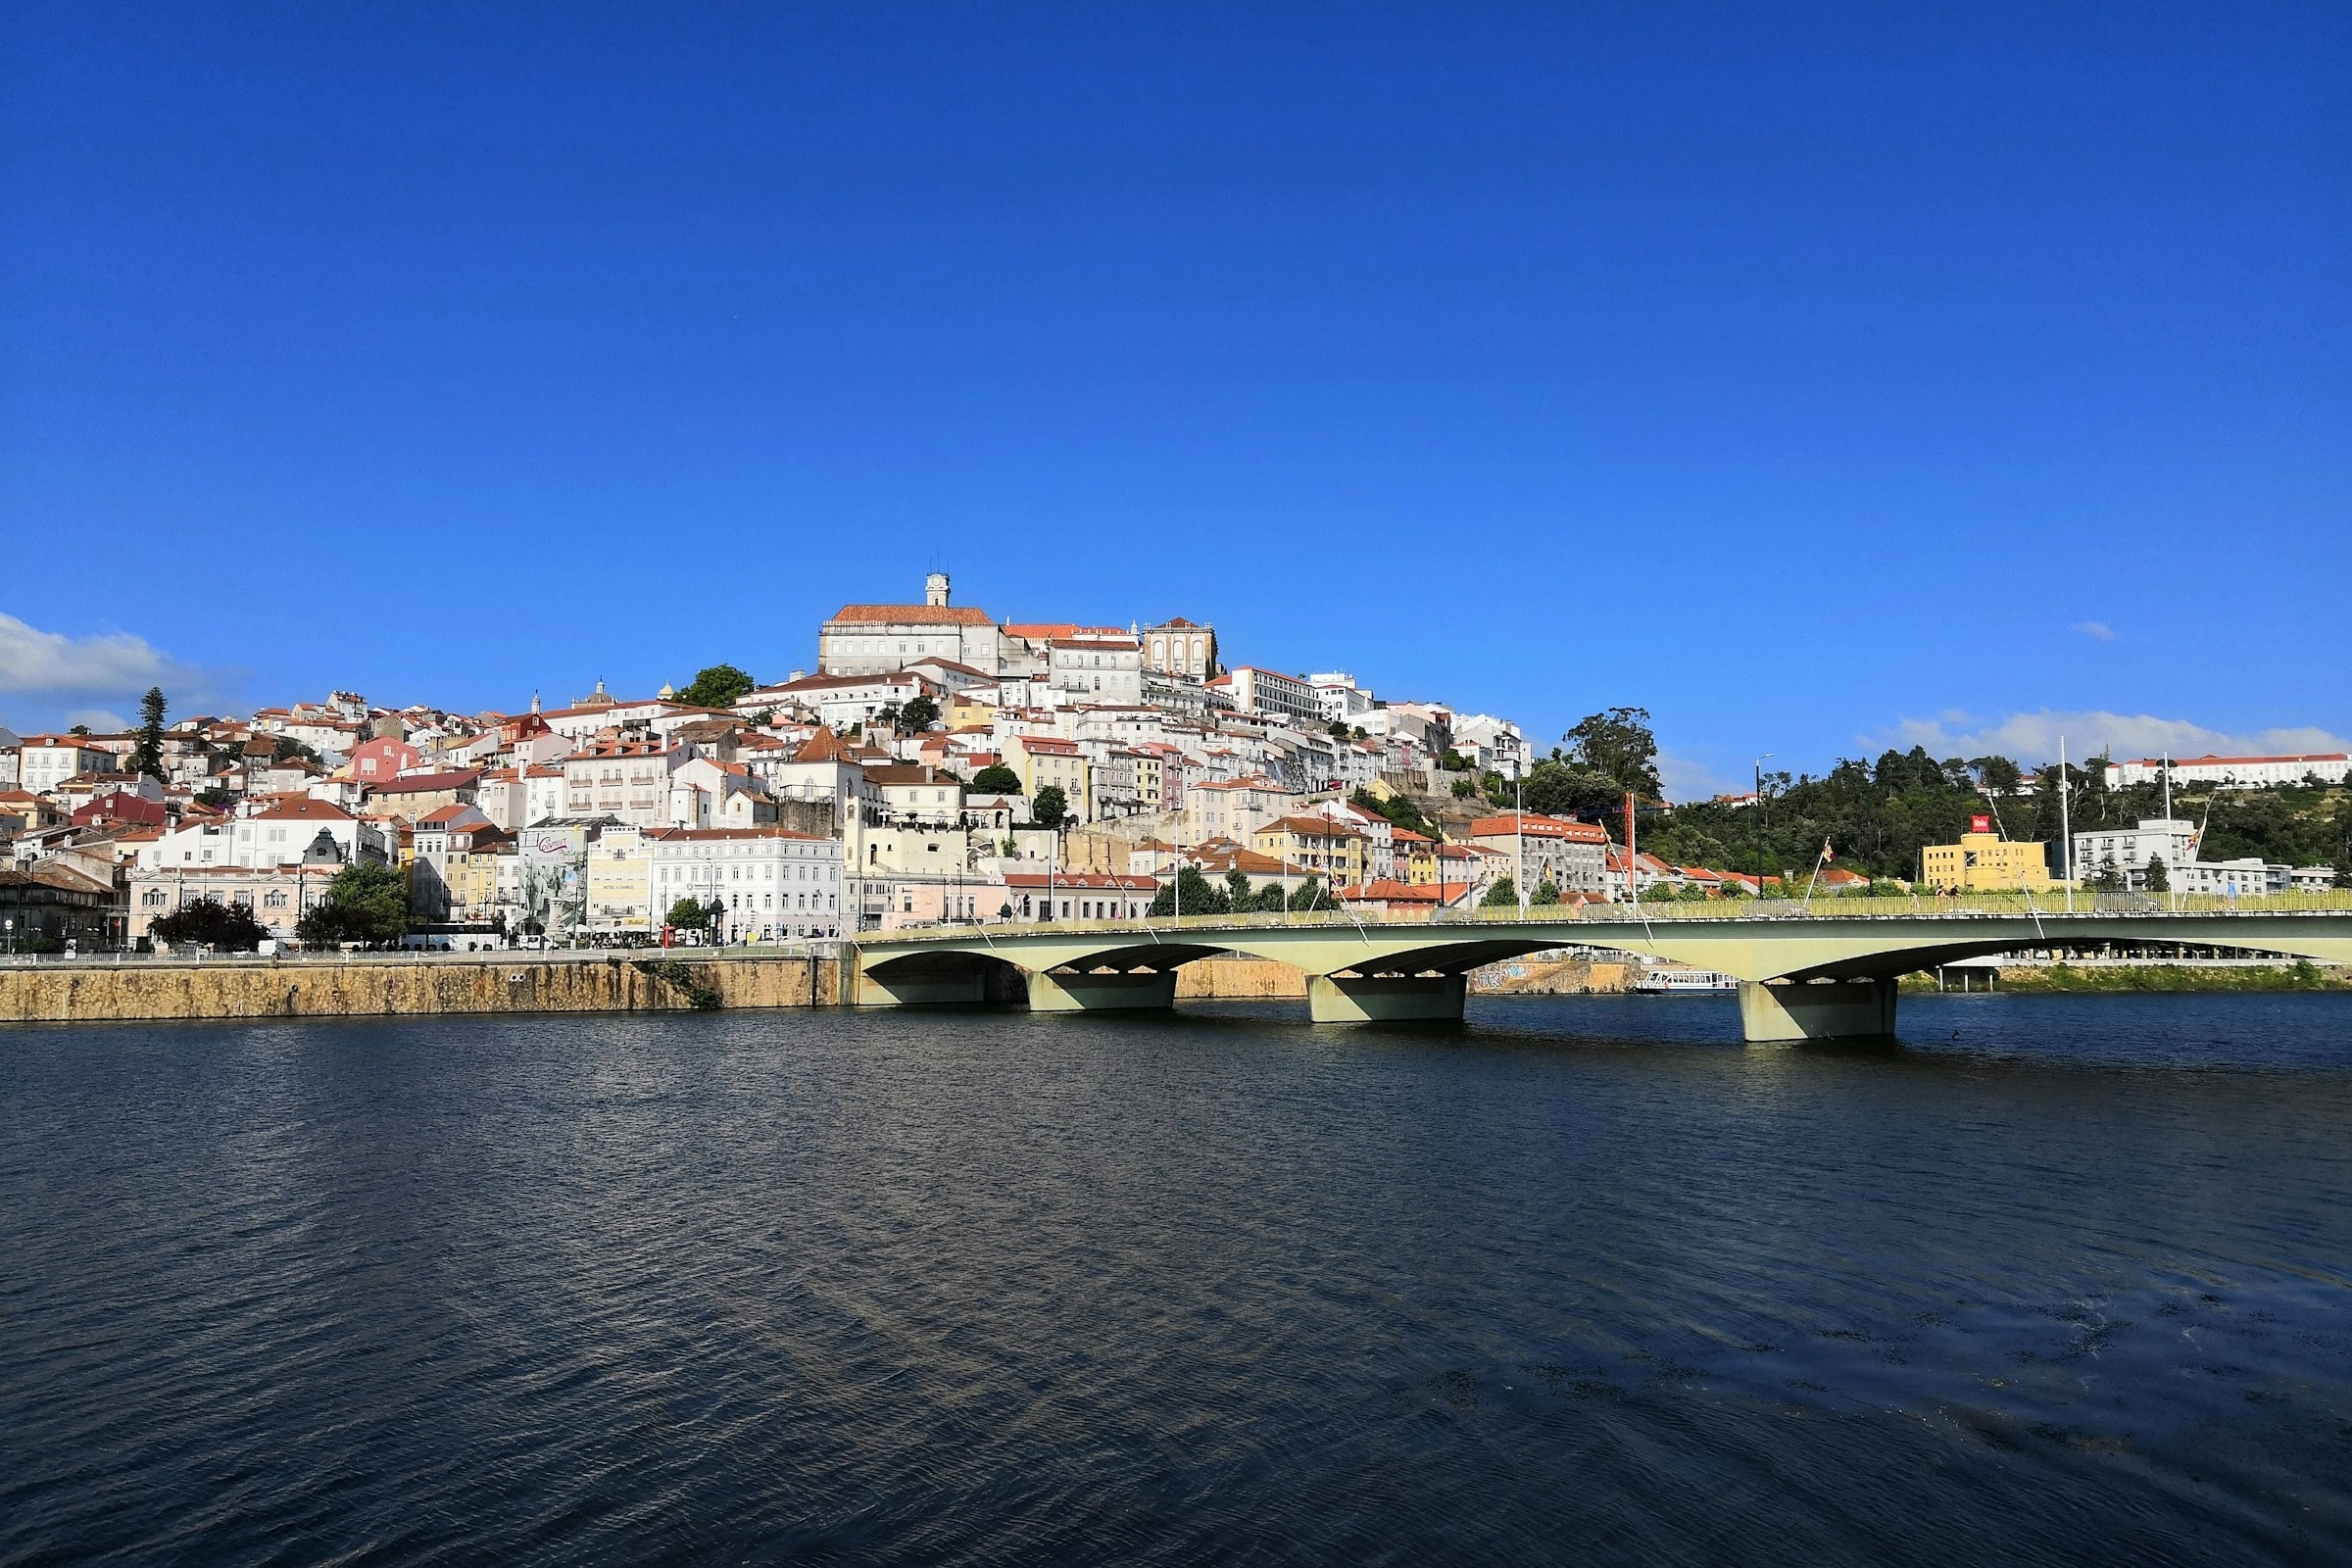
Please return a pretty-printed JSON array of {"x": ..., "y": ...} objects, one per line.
[
  {"x": 1519, "y": 831},
  {"x": 1763, "y": 819}
]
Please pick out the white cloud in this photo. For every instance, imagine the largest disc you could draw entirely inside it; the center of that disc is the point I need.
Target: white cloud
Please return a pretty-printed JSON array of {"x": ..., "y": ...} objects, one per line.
[
  {"x": 2032, "y": 738},
  {"x": 2097, "y": 630},
  {"x": 98, "y": 720},
  {"x": 47, "y": 671},
  {"x": 1688, "y": 779},
  {"x": 36, "y": 661}
]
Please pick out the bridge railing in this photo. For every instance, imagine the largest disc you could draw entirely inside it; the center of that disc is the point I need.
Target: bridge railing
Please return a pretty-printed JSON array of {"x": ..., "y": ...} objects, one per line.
[{"x": 1658, "y": 911}]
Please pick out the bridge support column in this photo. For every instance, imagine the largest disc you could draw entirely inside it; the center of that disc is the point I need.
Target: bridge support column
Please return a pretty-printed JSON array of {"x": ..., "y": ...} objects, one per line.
[
  {"x": 1385, "y": 999},
  {"x": 1839, "y": 1009},
  {"x": 1096, "y": 993}
]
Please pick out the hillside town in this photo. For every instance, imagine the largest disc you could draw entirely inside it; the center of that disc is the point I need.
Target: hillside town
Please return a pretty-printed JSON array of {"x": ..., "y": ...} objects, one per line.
[{"x": 936, "y": 766}]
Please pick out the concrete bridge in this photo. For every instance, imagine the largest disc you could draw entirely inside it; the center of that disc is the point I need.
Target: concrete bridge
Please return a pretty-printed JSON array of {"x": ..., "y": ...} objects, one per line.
[{"x": 1804, "y": 974}]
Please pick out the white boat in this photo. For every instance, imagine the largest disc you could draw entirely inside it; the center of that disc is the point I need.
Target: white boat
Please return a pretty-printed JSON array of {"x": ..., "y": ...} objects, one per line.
[{"x": 1666, "y": 981}]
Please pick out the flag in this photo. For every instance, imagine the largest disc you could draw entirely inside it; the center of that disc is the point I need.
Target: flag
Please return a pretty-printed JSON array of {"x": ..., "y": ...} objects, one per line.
[{"x": 1827, "y": 854}]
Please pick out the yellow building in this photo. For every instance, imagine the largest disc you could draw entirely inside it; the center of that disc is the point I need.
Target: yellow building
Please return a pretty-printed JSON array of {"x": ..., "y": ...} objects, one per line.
[
  {"x": 1984, "y": 863},
  {"x": 1043, "y": 759},
  {"x": 1332, "y": 850},
  {"x": 620, "y": 884},
  {"x": 473, "y": 874}
]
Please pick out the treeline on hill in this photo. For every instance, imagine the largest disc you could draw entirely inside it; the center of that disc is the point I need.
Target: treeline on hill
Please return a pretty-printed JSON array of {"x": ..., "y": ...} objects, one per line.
[{"x": 1876, "y": 816}]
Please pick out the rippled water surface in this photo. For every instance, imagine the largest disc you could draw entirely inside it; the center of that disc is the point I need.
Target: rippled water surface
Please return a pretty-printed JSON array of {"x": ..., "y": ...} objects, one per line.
[{"x": 2061, "y": 1279}]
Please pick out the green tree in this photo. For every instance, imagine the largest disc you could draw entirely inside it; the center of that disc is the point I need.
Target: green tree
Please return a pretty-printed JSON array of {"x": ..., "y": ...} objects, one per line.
[
  {"x": 1547, "y": 893},
  {"x": 2159, "y": 879},
  {"x": 1050, "y": 806},
  {"x": 717, "y": 686},
  {"x": 1311, "y": 895},
  {"x": 1397, "y": 808},
  {"x": 365, "y": 903},
  {"x": 226, "y": 927},
  {"x": 1201, "y": 896},
  {"x": 996, "y": 779},
  {"x": 1617, "y": 742},
  {"x": 1339, "y": 730},
  {"x": 690, "y": 915},
  {"x": 1464, "y": 788},
  {"x": 1998, "y": 774},
  {"x": 149, "y": 757},
  {"x": 1504, "y": 894},
  {"x": 287, "y": 748},
  {"x": 1559, "y": 789},
  {"x": 1238, "y": 894},
  {"x": 920, "y": 713}
]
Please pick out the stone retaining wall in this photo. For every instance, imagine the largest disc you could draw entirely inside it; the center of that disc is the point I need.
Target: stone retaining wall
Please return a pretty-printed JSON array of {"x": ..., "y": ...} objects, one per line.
[{"x": 496, "y": 983}]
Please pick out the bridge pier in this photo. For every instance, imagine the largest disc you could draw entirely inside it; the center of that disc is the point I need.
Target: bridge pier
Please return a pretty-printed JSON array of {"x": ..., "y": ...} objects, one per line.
[
  {"x": 1385, "y": 998},
  {"x": 1099, "y": 993},
  {"x": 1837, "y": 1009}
]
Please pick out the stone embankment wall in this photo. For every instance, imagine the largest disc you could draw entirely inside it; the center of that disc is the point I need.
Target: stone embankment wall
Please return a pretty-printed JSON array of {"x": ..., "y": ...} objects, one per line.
[
  {"x": 1550, "y": 977},
  {"x": 512, "y": 983}
]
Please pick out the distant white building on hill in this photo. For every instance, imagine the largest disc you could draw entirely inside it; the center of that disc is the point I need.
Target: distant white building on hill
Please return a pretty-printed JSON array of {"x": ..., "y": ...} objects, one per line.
[{"x": 2238, "y": 772}]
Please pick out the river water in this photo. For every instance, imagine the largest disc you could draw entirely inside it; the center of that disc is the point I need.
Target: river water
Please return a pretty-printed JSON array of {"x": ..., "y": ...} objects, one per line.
[{"x": 2058, "y": 1278}]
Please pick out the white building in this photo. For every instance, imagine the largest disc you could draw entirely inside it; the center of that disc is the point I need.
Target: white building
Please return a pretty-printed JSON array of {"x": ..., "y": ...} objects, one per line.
[
  {"x": 2126, "y": 851},
  {"x": 842, "y": 701},
  {"x": 1494, "y": 745},
  {"x": 774, "y": 884},
  {"x": 44, "y": 762},
  {"x": 1098, "y": 666},
  {"x": 627, "y": 780},
  {"x": 1271, "y": 694},
  {"x": 285, "y": 833},
  {"x": 873, "y": 639},
  {"x": 2234, "y": 772},
  {"x": 2232, "y": 879},
  {"x": 1337, "y": 697}
]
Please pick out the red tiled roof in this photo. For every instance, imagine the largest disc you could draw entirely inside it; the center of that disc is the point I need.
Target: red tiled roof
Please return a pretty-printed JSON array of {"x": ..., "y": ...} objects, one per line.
[
  {"x": 910, "y": 615},
  {"x": 302, "y": 809},
  {"x": 1537, "y": 827},
  {"x": 424, "y": 783}
]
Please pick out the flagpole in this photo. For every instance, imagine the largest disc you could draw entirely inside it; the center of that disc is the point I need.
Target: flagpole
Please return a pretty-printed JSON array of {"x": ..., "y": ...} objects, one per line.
[{"x": 1818, "y": 862}]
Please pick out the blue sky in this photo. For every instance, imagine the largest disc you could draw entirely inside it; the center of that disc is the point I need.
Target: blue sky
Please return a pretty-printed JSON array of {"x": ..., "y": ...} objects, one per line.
[{"x": 1815, "y": 376}]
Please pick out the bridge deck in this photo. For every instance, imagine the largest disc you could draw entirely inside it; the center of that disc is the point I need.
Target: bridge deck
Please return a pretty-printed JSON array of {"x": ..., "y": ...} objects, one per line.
[{"x": 1362, "y": 968}]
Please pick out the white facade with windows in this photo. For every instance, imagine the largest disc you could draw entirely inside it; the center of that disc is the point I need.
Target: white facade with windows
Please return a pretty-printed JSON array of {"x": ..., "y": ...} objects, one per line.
[
  {"x": 2126, "y": 851},
  {"x": 1099, "y": 668},
  {"x": 1270, "y": 694},
  {"x": 2240, "y": 772},
  {"x": 1337, "y": 697},
  {"x": 773, "y": 884}
]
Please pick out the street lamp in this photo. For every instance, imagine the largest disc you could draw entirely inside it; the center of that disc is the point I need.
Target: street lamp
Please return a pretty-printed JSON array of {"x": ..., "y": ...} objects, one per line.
[{"x": 1519, "y": 831}]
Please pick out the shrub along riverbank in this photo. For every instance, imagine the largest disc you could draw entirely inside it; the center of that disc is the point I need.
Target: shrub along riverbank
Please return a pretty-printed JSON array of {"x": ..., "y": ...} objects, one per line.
[{"x": 2301, "y": 975}]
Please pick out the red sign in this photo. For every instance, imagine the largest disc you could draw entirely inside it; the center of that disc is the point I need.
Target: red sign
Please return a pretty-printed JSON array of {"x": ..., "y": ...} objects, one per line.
[{"x": 1979, "y": 823}]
